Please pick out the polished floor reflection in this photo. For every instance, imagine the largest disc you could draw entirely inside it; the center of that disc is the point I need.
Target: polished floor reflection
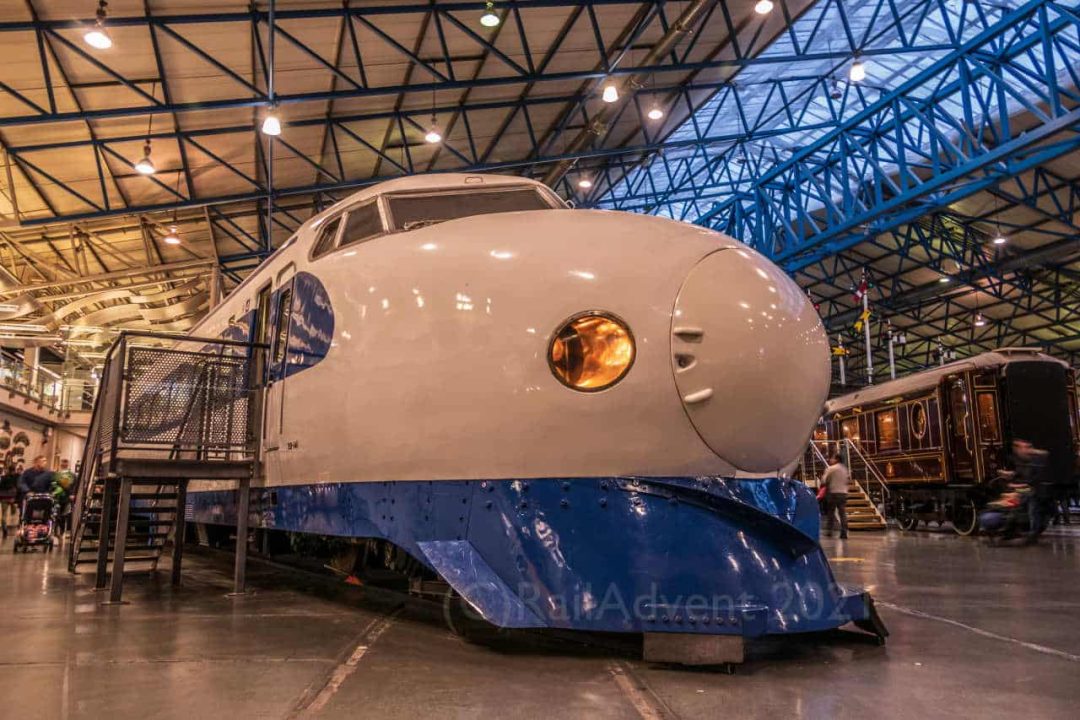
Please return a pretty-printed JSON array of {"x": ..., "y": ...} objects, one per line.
[{"x": 977, "y": 632}]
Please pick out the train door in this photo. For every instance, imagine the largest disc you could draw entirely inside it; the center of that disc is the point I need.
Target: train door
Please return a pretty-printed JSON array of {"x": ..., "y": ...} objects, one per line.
[
  {"x": 960, "y": 429},
  {"x": 260, "y": 334},
  {"x": 279, "y": 326}
]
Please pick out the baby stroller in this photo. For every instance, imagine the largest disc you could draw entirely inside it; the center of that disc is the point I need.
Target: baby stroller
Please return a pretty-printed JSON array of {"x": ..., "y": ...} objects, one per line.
[
  {"x": 35, "y": 523},
  {"x": 1007, "y": 517}
]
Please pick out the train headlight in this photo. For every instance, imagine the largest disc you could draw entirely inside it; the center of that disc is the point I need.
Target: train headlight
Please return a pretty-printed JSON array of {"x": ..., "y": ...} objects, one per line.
[{"x": 591, "y": 351}]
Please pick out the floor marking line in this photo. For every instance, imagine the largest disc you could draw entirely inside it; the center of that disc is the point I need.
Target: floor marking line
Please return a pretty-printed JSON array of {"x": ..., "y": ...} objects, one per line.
[
  {"x": 344, "y": 669},
  {"x": 979, "y": 631},
  {"x": 644, "y": 700}
]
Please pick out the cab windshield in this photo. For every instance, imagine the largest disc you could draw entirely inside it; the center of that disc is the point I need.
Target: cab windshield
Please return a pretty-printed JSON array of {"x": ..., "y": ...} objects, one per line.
[{"x": 409, "y": 211}]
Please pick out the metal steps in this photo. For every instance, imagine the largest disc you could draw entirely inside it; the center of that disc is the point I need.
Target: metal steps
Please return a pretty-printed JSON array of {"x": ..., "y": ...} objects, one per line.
[
  {"x": 152, "y": 515},
  {"x": 166, "y": 413},
  {"x": 862, "y": 514}
]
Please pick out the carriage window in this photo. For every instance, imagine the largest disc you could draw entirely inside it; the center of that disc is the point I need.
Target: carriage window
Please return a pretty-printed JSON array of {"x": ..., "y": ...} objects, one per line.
[
  {"x": 918, "y": 420},
  {"x": 410, "y": 211},
  {"x": 284, "y": 315},
  {"x": 362, "y": 223},
  {"x": 988, "y": 423},
  {"x": 327, "y": 234},
  {"x": 887, "y": 435},
  {"x": 849, "y": 429},
  {"x": 1074, "y": 416},
  {"x": 958, "y": 406}
]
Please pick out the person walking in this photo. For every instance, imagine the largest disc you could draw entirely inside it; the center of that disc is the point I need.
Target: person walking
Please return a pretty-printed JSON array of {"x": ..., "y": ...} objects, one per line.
[
  {"x": 836, "y": 480},
  {"x": 37, "y": 478},
  {"x": 63, "y": 492}
]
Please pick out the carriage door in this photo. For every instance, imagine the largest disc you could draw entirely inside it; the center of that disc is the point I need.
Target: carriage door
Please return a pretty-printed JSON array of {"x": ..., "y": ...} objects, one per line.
[
  {"x": 280, "y": 324},
  {"x": 960, "y": 428}
]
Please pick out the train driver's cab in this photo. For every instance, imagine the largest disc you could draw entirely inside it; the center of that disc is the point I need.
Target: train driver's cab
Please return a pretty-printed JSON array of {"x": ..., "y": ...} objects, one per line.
[{"x": 406, "y": 210}]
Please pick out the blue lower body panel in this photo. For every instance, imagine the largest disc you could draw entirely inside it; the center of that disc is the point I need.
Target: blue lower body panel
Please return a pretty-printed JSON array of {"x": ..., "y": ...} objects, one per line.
[{"x": 619, "y": 554}]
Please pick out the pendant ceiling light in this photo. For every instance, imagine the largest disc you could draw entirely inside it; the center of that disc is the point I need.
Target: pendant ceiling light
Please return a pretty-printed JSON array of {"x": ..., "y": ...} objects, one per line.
[
  {"x": 858, "y": 71},
  {"x": 98, "y": 37},
  {"x": 490, "y": 18},
  {"x": 146, "y": 165}
]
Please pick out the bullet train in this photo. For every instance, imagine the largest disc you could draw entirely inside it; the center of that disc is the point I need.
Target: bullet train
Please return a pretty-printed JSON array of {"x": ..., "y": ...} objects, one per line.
[{"x": 575, "y": 418}]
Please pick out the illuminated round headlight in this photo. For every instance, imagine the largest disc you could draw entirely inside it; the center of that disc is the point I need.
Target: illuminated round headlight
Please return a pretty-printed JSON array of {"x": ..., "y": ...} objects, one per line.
[{"x": 591, "y": 351}]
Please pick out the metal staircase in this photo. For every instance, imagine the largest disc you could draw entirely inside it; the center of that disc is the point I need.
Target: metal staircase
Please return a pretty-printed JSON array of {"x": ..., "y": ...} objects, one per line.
[
  {"x": 866, "y": 490},
  {"x": 163, "y": 416}
]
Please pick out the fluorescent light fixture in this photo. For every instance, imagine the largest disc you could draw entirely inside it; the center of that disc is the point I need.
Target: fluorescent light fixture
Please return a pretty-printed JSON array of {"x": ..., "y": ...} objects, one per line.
[
  {"x": 98, "y": 37},
  {"x": 35, "y": 338},
  {"x": 171, "y": 238},
  {"x": 943, "y": 279},
  {"x": 1000, "y": 239},
  {"x": 82, "y": 328},
  {"x": 584, "y": 183},
  {"x": 146, "y": 165},
  {"x": 979, "y": 320},
  {"x": 858, "y": 71},
  {"x": 18, "y": 327},
  {"x": 764, "y": 7},
  {"x": 490, "y": 18},
  {"x": 611, "y": 93},
  {"x": 433, "y": 135},
  {"x": 81, "y": 343},
  {"x": 655, "y": 113},
  {"x": 271, "y": 124},
  {"x": 8, "y": 307}
]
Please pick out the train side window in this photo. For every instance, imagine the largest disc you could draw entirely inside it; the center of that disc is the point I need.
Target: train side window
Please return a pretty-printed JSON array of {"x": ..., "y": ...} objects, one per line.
[
  {"x": 888, "y": 435},
  {"x": 918, "y": 421},
  {"x": 325, "y": 241},
  {"x": 284, "y": 315},
  {"x": 362, "y": 223},
  {"x": 849, "y": 429},
  {"x": 988, "y": 420}
]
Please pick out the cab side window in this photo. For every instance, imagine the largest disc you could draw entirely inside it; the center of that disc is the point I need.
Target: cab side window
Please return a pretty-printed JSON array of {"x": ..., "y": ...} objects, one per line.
[
  {"x": 362, "y": 223},
  {"x": 325, "y": 241}
]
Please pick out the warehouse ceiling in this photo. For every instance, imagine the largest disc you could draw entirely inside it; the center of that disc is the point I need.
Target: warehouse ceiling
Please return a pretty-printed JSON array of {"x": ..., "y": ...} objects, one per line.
[{"x": 761, "y": 133}]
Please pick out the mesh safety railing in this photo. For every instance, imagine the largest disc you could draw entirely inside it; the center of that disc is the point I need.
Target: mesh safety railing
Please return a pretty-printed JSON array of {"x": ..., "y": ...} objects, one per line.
[{"x": 191, "y": 399}]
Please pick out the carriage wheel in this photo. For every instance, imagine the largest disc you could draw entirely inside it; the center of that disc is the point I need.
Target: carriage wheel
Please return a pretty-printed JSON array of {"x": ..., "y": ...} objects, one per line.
[
  {"x": 965, "y": 518},
  {"x": 906, "y": 517}
]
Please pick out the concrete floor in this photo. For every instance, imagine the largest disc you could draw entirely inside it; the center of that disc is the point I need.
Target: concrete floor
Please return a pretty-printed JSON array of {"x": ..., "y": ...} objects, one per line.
[{"x": 977, "y": 632}]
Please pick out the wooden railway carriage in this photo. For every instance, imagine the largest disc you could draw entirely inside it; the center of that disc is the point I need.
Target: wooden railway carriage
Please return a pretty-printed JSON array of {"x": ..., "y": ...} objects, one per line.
[{"x": 940, "y": 437}]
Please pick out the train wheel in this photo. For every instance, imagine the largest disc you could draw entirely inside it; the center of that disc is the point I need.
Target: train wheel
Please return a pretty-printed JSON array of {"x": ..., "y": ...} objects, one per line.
[
  {"x": 965, "y": 518},
  {"x": 906, "y": 517}
]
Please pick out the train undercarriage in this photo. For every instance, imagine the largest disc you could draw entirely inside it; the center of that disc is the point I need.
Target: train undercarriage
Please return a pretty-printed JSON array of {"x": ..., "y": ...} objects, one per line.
[{"x": 958, "y": 506}]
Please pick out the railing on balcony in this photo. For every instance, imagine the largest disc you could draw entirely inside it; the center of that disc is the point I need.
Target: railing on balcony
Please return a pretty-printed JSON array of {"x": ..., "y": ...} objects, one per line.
[{"x": 61, "y": 395}]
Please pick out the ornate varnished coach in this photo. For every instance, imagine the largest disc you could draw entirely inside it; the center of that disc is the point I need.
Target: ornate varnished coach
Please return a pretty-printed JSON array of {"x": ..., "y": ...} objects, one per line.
[{"x": 940, "y": 438}]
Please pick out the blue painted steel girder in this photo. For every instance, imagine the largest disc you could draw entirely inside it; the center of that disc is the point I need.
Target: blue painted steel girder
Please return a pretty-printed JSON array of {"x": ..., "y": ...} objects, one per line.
[{"x": 908, "y": 153}]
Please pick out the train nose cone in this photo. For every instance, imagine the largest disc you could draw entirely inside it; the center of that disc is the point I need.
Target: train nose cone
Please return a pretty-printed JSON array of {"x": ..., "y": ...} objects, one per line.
[{"x": 751, "y": 359}]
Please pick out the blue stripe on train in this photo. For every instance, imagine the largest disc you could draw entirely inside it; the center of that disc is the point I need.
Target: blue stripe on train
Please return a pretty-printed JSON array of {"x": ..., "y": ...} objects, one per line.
[{"x": 702, "y": 555}]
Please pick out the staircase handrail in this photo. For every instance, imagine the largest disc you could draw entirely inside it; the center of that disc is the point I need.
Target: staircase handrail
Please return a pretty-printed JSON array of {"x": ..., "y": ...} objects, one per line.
[{"x": 871, "y": 468}]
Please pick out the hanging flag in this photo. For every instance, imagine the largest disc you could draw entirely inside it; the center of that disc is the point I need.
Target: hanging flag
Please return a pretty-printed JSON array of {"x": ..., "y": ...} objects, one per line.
[
  {"x": 840, "y": 351},
  {"x": 860, "y": 291},
  {"x": 864, "y": 317}
]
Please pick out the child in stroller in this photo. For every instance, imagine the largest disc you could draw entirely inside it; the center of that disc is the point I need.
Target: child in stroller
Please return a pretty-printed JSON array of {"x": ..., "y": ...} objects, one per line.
[
  {"x": 1007, "y": 517},
  {"x": 36, "y": 523}
]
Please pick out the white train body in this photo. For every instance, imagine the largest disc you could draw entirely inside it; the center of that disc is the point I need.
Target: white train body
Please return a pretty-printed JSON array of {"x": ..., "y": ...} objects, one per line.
[
  {"x": 438, "y": 366},
  {"x": 426, "y": 395}
]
